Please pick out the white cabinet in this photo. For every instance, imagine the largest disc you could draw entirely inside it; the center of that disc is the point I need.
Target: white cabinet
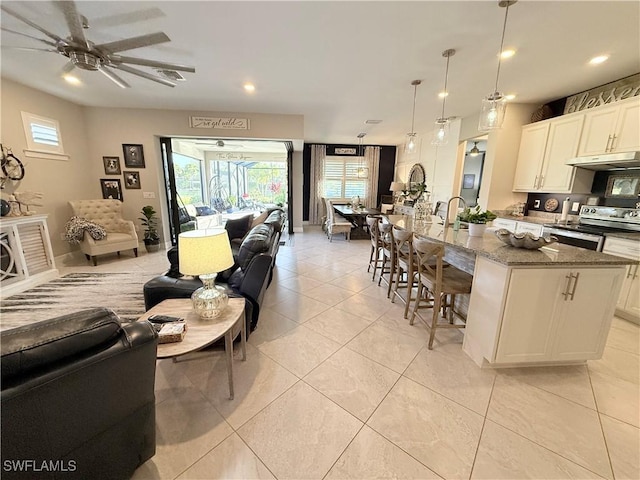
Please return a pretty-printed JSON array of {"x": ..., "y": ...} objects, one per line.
[
  {"x": 540, "y": 314},
  {"x": 628, "y": 305},
  {"x": 26, "y": 253},
  {"x": 544, "y": 149},
  {"x": 557, "y": 314},
  {"x": 610, "y": 129}
]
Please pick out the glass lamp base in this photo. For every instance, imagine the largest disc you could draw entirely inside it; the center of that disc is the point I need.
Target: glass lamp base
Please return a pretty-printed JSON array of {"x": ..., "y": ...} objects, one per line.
[{"x": 210, "y": 300}]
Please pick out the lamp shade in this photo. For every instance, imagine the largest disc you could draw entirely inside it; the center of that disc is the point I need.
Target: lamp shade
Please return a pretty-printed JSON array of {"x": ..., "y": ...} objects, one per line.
[
  {"x": 396, "y": 186},
  {"x": 203, "y": 252}
]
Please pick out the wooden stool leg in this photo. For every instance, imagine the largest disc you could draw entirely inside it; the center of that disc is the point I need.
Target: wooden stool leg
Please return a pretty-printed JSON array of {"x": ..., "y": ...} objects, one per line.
[
  {"x": 415, "y": 306},
  {"x": 434, "y": 320}
]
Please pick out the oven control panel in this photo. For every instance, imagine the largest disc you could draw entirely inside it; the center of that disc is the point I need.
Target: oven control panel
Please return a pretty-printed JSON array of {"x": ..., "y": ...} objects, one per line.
[{"x": 613, "y": 214}]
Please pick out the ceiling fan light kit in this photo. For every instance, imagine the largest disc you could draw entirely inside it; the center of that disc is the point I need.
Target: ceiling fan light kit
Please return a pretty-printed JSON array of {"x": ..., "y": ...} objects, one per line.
[
  {"x": 494, "y": 105},
  {"x": 85, "y": 55},
  {"x": 441, "y": 132},
  {"x": 411, "y": 143}
]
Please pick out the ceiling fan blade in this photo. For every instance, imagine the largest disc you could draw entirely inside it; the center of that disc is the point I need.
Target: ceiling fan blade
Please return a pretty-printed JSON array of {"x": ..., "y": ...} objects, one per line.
[
  {"x": 74, "y": 23},
  {"x": 30, "y": 49},
  {"x": 53, "y": 36},
  {"x": 148, "y": 76},
  {"x": 28, "y": 36},
  {"x": 134, "y": 42},
  {"x": 151, "y": 63},
  {"x": 113, "y": 77}
]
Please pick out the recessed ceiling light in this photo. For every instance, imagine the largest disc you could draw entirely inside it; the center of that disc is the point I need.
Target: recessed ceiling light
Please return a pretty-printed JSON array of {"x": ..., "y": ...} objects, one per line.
[
  {"x": 73, "y": 80},
  {"x": 508, "y": 53},
  {"x": 510, "y": 97},
  {"x": 249, "y": 87},
  {"x": 599, "y": 59},
  {"x": 443, "y": 94}
]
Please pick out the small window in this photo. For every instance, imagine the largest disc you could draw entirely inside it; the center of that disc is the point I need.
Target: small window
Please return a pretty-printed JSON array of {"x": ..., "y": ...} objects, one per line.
[
  {"x": 341, "y": 177},
  {"x": 43, "y": 136}
]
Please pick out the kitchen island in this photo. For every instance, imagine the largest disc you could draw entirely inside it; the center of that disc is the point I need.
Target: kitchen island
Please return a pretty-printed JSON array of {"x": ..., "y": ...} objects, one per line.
[{"x": 550, "y": 306}]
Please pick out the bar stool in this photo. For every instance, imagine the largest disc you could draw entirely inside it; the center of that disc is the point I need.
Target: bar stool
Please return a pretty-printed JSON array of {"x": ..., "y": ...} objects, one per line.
[
  {"x": 406, "y": 267},
  {"x": 388, "y": 255},
  {"x": 438, "y": 286},
  {"x": 376, "y": 244}
]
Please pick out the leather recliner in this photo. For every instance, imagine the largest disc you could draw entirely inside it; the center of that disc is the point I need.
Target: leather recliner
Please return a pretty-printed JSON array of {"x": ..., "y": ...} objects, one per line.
[{"x": 77, "y": 397}]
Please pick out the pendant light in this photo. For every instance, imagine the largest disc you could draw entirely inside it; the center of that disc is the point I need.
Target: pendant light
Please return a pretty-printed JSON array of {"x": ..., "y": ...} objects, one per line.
[
  {"x": 441, "y": 133},
  {"x": 411, "y": 143},
  {"x": 495, "y": 104},
  {"x": 474, "y": 152},
  {"x": 362, "y": 171}
]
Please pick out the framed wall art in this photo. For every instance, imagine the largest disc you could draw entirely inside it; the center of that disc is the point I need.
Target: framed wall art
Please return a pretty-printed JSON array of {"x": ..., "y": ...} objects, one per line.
[
  {"x": 111, "y": 188},
  {"x": 131, "y": 179},
  {"x": 133, "y": 155},
  {"x": 623, "y": 186},
  {"x": 111, "y": 165}
]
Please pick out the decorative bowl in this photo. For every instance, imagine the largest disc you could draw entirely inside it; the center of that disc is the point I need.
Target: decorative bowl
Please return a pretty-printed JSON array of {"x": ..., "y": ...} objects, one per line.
[{"x": 524, "y": 240}]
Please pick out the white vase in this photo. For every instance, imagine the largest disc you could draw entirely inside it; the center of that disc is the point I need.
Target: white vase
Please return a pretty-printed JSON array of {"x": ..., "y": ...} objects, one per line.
[{"x": 477, "y": 229}]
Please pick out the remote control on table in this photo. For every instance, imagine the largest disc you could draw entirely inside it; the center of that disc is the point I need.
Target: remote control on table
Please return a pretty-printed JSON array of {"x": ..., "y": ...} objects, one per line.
[{"x": 164, "y": 319}]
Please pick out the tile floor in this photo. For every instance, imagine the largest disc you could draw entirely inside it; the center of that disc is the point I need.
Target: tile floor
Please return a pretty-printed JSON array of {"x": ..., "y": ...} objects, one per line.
[{"x": 338, "y": 385}]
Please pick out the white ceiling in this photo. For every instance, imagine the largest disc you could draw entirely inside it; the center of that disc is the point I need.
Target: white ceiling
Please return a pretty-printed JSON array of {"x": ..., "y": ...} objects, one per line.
[{"x": 340, "y": 63}]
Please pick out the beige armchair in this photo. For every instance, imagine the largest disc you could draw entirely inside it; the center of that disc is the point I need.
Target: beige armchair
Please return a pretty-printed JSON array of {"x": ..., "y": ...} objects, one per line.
[{"x": 121, "y": 233}]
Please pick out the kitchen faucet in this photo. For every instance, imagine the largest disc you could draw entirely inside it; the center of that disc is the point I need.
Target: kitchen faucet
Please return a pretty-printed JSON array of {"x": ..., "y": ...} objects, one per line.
[{"x": 446, "y": 220}]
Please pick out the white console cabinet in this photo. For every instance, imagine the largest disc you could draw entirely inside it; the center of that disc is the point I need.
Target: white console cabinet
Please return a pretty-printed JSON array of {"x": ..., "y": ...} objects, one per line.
[
  {"x": 628, "y": 306},
  {"x": 26, "y": 256}
]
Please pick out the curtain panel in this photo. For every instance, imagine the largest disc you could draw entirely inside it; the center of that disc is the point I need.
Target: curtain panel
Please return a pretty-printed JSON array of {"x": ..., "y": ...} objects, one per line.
[
  {"x": 316, "y": 204},
  {"x": 372, "y": 162}
]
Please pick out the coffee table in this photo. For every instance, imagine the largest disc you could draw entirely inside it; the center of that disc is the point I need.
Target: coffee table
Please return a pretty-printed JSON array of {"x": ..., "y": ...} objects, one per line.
[{"x": 202, "y": 333}]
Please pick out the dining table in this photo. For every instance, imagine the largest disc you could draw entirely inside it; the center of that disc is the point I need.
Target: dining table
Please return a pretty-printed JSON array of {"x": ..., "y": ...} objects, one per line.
[{"x": 358, "y": 218}]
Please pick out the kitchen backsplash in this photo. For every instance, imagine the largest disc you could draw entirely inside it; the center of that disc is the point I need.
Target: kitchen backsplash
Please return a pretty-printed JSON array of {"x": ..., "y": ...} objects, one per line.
[{"x": 536, "y": 201}]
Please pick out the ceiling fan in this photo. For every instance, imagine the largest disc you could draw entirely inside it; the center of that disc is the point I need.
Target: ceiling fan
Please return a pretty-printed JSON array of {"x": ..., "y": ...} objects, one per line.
[{"x": 104, "y": 58}]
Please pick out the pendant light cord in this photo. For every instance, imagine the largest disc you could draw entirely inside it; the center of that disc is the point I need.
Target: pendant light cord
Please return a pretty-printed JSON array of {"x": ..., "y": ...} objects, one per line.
[
  {"x": 413, "y": 114},
  {"x": 446, "y": 76},
  {"x": 504, "y": 28}
]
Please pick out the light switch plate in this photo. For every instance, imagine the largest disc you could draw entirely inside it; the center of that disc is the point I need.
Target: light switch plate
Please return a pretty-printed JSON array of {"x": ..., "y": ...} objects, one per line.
[
  {"x": 575, "y": 206},
  {"x": 149, "y": 194}
]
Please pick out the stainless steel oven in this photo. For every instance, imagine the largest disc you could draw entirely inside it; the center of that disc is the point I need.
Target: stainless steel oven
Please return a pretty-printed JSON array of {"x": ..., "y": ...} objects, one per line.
[
  {"x": 594, "y": 224},
  {"x": 590, "y": 241}
]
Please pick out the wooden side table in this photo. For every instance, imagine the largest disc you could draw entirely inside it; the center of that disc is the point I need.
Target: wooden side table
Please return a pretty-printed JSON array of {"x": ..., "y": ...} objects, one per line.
[{"x": 202, "y": 333}]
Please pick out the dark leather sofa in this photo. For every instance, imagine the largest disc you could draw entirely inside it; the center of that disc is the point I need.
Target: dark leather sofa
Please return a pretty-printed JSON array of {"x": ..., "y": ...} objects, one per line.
[
  {"x": 250, "y": 276},
  {"x": 77, "y": 397}
]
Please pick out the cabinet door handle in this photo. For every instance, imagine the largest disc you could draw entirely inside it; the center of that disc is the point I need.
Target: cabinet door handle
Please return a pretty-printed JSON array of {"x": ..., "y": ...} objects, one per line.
[
  {"x": 635, "y": 273},
  {"x": 631, "y": 269},
  {"x": 575, "y": 284},
  {"x": 541, "y": 181},
  {"x": 606, "y": 149},
  {"x": 613, "y": 142},
  {"x": 565, "y": 294},
  {"x": 535, "y": 183}
]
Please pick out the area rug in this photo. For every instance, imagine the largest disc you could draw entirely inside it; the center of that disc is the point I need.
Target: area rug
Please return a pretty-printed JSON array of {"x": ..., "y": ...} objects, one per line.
[{"x": 121, "y": 292}]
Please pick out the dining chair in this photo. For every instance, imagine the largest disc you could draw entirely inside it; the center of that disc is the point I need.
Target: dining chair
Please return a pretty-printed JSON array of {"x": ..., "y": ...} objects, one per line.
[
  {"x": 406, "y": 267},
  {"x": 336, "y": 223},
  {"x": 388, "y": 255},
  {"x": 376, "y": 245},
  {"x": 438, "y": 286}
]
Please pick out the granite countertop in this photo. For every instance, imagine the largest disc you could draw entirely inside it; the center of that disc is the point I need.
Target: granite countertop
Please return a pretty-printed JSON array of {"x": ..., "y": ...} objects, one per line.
[{"x": 491, "y": 247}]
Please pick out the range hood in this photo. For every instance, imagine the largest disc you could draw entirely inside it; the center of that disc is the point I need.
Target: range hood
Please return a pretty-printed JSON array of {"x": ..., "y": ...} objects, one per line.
[{"x": 607, "y": 161}]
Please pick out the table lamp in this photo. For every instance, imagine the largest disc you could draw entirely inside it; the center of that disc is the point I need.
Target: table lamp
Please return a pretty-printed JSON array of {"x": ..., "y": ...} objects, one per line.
[
  {"x": 204, "y": 253},
  {"x": 396, "y": 187}
]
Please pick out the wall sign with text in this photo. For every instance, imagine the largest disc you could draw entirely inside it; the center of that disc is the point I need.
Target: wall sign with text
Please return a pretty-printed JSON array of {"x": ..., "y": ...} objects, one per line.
[
  {"x": 220, "y": 123},
  {"x": 605, "y": 94}
]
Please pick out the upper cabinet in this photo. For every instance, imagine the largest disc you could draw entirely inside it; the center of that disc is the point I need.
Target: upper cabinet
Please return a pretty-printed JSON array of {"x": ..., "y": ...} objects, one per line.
[
  {"x": 611, "y": 129},
  {"x": 544, "y": 148}
]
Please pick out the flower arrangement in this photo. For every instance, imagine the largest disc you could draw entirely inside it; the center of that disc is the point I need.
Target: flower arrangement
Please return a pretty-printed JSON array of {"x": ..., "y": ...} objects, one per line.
[{"x": 476, "y": 215}]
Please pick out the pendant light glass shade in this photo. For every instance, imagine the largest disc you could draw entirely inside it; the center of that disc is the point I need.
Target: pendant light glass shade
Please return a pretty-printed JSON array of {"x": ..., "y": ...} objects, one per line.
[
  {"x": 361, "y": 171},
  {"x": 411, "y": 142},
  {"x": 441, "y": 132},
  {"x": 494, "y": 105}
]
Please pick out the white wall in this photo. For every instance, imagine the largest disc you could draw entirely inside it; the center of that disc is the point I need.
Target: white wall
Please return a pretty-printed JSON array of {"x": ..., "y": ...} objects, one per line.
[{"x": 89, "y": 133}]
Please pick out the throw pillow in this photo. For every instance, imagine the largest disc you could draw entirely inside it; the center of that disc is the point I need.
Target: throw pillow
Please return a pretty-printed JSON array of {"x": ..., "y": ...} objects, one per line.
[
  {"x": 76, "y": 226},
  {"x": 238, "y": 227}
]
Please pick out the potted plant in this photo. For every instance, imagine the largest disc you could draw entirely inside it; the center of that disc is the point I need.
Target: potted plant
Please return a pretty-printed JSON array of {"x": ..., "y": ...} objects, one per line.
[
  {"x": 477, "y": 220},
  {"x": 150, "y": 222}
]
